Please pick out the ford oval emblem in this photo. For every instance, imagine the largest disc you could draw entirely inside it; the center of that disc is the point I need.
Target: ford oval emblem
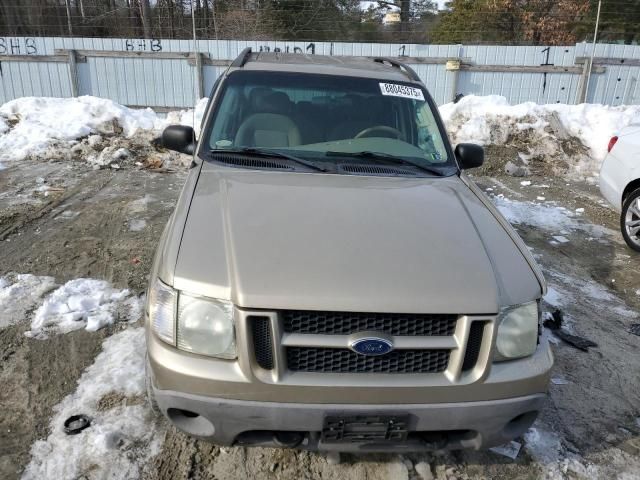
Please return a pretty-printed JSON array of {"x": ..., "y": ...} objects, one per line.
[{"x": 371, "y": 346}]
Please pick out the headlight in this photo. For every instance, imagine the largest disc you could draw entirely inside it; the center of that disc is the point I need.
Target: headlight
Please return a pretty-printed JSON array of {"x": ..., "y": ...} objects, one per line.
[
  {"x": 205, "y": 326},
  {"x": 517, "y": 332},
  {"x": 162, "y": 311}
]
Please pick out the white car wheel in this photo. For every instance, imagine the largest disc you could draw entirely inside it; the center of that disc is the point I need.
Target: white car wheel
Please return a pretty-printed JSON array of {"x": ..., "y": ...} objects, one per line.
[{"x": 630, "y": 220}]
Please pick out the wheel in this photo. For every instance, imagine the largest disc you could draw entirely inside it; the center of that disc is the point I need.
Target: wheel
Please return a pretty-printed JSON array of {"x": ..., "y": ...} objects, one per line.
[
  {"x": 630, "y": 220},
  {"x": 148, "y": 383}
]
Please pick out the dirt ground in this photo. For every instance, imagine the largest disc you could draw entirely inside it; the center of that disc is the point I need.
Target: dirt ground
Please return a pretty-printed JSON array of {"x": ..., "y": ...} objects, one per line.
[{"x": 86, "y": 227}]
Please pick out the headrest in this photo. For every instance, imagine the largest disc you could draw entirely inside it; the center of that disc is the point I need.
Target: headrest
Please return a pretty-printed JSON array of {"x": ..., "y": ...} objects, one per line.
[
  {"x": 256, "y": 94},
  {"x": 276, "y": 102}
]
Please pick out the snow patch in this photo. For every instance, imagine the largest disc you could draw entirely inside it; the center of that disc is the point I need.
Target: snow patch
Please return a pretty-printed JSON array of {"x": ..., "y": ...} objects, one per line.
[
  {"x": 552, "y": 297},
  {"x": 140, "y": 205},
  {"x": 424, "y": 470},
  {"x": 80, "y": 303},
  {"x": 19, "y": 294},
  {"x": 397, "y": 470},
  {"x": 67, "y": 215},
  {"x": 122, "y": 437},
  {"x": 510, "y": 450},
  {"x": 546, "y": 216},
  {"x": 562, "y": 288},
  {"x": 545, "y": 447},
  {"x": 137, "y": 224}
]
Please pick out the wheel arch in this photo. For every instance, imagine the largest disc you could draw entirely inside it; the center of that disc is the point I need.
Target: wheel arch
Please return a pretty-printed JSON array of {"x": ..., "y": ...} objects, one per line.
[{"x": 631, "y": 187}]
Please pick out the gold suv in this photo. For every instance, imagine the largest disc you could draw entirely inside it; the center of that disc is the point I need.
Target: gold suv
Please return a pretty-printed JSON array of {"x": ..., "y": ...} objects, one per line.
[{"x": 331, "y": 279}]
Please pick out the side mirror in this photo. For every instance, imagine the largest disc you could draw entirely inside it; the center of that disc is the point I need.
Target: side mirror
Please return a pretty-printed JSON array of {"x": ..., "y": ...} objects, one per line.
[
  {"x": 469, "y": 155},
  {"x": 180, "y": 138}
]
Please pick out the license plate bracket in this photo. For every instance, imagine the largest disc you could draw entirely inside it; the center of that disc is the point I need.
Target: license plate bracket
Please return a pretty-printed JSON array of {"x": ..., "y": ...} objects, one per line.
[{"x": 365, "y": 428}]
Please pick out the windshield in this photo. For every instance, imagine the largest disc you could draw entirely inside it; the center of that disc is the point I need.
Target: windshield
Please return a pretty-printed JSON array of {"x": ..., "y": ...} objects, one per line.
[{"x": 329, "y": 119}]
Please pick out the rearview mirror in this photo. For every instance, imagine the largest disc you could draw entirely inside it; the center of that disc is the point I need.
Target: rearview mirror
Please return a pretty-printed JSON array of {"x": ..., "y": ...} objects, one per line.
[
  {"x": 469, "y": 155},
  {"x": 180, "y": 138}
]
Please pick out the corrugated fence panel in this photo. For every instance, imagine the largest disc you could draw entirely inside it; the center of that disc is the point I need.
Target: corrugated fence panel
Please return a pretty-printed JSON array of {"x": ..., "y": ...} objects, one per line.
[
  {"x": 619, "y": 84},
  {"x": 520, "y": 87},
  {"x": 172, "y": 82}
]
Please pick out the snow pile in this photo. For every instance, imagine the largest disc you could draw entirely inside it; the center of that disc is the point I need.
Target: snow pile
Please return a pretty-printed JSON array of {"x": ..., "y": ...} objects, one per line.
[
  {"x": 19, "y": 294},
  {"x": 122, "y": 436},
  {"x": 33, "y": 126},
  {"x": 40, "y": 122},
  {"x": 80, "y": 303},
  {"x": 547, "y": 131}
]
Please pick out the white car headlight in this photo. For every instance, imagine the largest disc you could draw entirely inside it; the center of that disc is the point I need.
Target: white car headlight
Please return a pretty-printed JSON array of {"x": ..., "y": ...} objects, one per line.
[
  {"x": 205, "y": 326},
  {"x": 517, "y": 332},
  {"x": 162, "y": 311}
]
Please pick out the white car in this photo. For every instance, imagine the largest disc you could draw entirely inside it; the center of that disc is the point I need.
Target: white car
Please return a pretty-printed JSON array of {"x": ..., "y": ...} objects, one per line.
[{"x": 620, "y": 181}]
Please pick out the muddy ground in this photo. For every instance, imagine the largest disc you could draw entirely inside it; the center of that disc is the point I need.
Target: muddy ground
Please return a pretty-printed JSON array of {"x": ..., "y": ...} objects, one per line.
[{"x": 105, "y": 224}]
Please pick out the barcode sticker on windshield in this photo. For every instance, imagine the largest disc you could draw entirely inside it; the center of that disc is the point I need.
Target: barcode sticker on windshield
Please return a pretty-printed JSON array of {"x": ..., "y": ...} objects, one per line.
[{"x": 396, "y": 90}]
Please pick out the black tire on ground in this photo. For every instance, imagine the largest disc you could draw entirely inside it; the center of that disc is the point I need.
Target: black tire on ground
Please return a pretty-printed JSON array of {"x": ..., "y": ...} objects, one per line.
[
  {"x": 148, "y": 382},
  {"x": 633, "y": 243}
]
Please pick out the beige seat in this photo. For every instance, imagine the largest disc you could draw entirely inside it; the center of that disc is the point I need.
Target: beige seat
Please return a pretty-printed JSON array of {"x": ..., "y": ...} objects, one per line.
[
  {"x": 270, "y": 126},
  {"x": 268, "y": 130}
]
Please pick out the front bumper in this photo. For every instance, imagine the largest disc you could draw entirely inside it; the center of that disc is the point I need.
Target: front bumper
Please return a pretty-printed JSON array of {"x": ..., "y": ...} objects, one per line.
[
  {"x": 236, "y": 402},
  {"x": 474, "y": 425}
]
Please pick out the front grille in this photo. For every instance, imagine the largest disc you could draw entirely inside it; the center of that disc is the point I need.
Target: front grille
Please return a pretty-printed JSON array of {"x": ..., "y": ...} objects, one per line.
[
  {"x": 473, "y": 346},
  {"x": 346, "y": 323},
  {"x": 330, "y": 360},
  {"x": 262, "y": 345}
]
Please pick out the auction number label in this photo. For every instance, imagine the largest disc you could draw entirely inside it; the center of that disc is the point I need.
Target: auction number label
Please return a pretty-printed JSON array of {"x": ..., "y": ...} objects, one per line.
[{"x": 397, "y": 90}]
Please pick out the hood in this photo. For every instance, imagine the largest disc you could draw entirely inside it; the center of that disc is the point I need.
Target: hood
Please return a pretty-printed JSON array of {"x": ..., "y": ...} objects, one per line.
[{"x": 278, "y": 240}]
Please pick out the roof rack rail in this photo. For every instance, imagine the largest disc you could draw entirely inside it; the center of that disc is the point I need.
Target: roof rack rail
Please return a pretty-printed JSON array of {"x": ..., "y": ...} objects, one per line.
[
  {"x": 242, "y": 58},
  {"x": 410, "y": 72}
]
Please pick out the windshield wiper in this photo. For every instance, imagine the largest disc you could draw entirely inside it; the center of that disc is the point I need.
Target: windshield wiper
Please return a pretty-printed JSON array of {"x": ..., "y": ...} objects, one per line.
[
  {"x": 385, "y": 157},
  {"x": 259, "y": 152}
]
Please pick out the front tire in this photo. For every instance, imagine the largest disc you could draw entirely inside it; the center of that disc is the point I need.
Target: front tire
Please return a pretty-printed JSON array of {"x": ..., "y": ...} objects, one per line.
[{"x": 630, "y": 220}]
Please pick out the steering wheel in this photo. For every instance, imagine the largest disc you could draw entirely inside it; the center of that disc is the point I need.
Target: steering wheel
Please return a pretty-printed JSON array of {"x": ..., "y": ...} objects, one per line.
[{"x": 382, "y": 129}]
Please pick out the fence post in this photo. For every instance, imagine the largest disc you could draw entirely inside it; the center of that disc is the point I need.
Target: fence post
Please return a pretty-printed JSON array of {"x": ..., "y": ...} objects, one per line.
[
  {"x": 199, "y": 76},
  {"x": 73, "y": 73},
  {"x": 453, "y": 66},
  {"x": 581, "y": 96}
]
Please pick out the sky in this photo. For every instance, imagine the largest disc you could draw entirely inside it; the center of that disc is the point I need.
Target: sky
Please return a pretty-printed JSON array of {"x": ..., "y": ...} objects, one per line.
[{"x": 440, "y": 3}]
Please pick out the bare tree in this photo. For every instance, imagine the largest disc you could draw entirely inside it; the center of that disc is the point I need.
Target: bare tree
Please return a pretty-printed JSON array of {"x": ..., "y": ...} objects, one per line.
[
  {"x": 145, "y": 14},
  {"x": 68, "y": 7}
]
